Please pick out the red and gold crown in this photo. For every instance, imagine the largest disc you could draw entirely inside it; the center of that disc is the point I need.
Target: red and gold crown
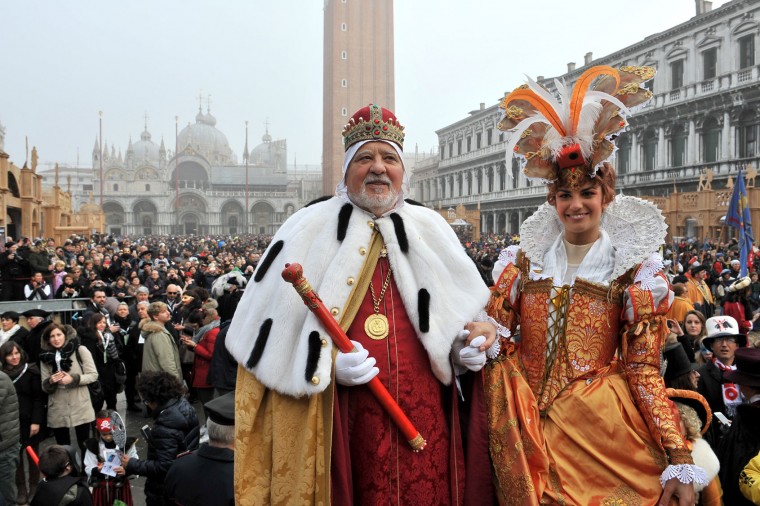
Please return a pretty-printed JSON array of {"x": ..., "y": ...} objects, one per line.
[{"x": 373, "y": 123}]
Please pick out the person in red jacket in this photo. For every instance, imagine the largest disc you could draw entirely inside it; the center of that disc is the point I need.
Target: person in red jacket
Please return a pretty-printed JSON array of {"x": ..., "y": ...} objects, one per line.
[
  {"x": 202, "y": 343},
  {"x": 737, "y": 305}
]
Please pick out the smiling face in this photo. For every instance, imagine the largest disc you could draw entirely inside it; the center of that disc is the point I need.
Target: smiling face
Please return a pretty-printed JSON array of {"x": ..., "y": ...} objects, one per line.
[
  {"x": 580, "y": 211},
  {"x": 14, "y": 357},
  {"x": 374, "y": 177},
  {"x": 7, "y": 323}
]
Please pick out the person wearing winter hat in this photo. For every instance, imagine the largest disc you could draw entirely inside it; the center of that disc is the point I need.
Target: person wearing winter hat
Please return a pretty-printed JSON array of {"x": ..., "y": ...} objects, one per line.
[
  {"x": 737, "y": 304},
  {"x": 742, "y": 441},
  {"x": 699, "y": 292},
  {"x": 723, "y": 338}
]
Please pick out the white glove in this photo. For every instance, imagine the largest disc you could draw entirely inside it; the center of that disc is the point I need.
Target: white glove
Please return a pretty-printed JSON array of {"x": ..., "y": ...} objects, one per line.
[
  {"x": 470, "y": 356},
  {"x": 356, "y": 367}
]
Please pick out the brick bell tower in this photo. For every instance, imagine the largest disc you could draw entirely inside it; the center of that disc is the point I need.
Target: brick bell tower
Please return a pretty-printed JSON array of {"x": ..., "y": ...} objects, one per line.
[{"x": 358, "y": 69}]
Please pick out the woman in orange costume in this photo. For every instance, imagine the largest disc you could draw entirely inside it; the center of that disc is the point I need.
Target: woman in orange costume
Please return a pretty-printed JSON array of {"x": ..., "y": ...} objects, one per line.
[{"x": 577, "y": 409}]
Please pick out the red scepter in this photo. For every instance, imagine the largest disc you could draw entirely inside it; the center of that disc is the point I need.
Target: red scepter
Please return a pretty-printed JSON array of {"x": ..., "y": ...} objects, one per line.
[{"x": 293, "y": 273}]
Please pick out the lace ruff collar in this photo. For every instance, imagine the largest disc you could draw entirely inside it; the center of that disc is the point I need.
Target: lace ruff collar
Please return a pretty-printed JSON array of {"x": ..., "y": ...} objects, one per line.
[{"x": 636, "y": 229}]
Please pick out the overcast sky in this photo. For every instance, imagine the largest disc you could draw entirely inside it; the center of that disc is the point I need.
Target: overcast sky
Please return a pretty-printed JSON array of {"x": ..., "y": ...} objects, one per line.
[{"x": 63, "y": 61}]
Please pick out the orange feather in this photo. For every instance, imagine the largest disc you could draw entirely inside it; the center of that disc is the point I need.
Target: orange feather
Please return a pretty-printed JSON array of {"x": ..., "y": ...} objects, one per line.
[
  {"x": 541, "y": 106},
  {"x": 581, "y": 87}
]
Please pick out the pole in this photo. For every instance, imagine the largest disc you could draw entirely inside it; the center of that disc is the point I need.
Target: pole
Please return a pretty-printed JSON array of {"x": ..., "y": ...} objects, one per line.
[
  {"x": 176, "y": 171},
  {"x": 247, "y": 228},
  {"x": 100, "y": 148}
]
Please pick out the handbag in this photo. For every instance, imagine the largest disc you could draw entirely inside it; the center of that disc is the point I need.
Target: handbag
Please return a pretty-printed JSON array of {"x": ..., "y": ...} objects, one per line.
[{"x": 97, "y": 395}]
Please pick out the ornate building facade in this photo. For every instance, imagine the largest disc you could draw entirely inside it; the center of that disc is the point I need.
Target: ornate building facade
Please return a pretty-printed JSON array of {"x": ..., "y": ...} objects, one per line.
[
  {"x": 202, "y": 188},
  {"x": 703, "y": 123}
]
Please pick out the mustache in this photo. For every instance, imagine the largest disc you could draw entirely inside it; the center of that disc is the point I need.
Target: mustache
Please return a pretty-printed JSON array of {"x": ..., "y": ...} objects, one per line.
[{"x": 377, "y": 179}]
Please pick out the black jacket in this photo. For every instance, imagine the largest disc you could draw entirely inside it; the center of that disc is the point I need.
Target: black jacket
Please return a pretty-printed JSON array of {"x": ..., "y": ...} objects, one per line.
[
  {"x": 202, "y": 478},
  {"x": 32, "y": 404},
  {"x": 740, "y": 444},
  {"x": 52, "y": 492},
  {"x": 175, "y": 431},
  {"x": 222, "y": 372},
  {"x": 33, "y": 342},
  {"x": 711, "y": 387}
]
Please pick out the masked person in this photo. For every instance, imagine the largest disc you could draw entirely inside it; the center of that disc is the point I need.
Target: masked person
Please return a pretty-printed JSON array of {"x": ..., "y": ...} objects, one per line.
[{"x": 402, "y": 287}]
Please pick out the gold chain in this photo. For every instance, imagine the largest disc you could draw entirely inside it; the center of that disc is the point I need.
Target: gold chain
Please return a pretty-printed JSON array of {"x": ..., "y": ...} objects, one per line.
[{"x": 375, "y": 301}]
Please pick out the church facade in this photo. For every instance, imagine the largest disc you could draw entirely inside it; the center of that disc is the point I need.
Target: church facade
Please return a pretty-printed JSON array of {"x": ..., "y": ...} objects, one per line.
[{"x": 201, "y": 188}]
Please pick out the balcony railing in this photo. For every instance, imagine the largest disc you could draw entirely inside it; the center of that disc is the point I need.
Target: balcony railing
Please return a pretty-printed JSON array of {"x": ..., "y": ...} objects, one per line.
[{"x": 472, "y": 155}]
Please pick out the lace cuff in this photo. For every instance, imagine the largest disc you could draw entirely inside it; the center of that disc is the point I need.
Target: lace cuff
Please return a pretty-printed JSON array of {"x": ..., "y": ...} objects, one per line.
[
  {"x": 501, "y": 331},
  {"x": 686, "y": 473}
]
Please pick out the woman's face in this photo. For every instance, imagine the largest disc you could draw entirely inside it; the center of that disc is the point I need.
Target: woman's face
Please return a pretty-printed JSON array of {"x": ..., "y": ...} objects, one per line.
[
  {"x": 57, "y": 338},
  {"x": 694, "y": 379},
  {"x": 13, "y": 358},
  {"x": 693, "y": 325},
  {"x": 136, "y": 281},
  {"x": 580, "y": 211},
  {"x": 101, "y": 325},
  {"x": 122, "y": 311},
  {"x": 120, "y": 283}
]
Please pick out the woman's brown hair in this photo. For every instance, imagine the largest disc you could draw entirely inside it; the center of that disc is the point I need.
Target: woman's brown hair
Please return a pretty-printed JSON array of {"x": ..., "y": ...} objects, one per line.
[{"x": 604, "y": 178}]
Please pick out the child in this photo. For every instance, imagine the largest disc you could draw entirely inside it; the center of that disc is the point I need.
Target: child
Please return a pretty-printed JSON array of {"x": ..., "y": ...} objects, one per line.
[
  {"x": 63, "y": 483},
  {"x": 101, "y": 452}
]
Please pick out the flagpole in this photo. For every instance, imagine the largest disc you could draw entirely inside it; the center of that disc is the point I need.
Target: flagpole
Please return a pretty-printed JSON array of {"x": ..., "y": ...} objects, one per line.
[
  {"x": 176, "y": 172},
  {"x": 100, "y": 148},
  {"x": 247, "y": 228}
]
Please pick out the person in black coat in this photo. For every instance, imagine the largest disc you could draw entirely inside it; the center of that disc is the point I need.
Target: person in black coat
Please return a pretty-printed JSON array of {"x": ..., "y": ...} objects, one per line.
[
  {"x": 62, "y": 478},
  {"x": 38, "y": 320},
  {"x": 742, "y": 441},
  {"x": 131, "y": 354},
  {"x": 174, "y": 431},
  {"x": 188, "y": 479},
  {"x": 11, "y": 330},
  {"x": 105, "y": 348},
  {"x": 32, "y": 410}
]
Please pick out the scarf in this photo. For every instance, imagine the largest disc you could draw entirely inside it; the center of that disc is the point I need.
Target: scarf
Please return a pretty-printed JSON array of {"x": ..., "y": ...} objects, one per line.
[
  {"x": 731, "y": 396},
  {"x": 5, "y": 335},
  {"x": 15, "y": 372},
  {"x": 68, "y": 348}
]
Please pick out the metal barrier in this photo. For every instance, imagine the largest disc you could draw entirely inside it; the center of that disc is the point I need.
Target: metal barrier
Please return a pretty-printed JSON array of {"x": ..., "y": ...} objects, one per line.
[{"x": 62, "y": 310}]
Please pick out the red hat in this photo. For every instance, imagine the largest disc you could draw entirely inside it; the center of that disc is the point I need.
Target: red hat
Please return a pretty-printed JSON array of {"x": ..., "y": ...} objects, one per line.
[
  {"x": 373, "y": 123},
  {"x": 103, "y": 425}
]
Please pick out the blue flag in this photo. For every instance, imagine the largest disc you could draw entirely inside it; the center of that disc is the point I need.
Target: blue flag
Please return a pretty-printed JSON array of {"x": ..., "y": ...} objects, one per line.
[{"x": 738, "y": 216}]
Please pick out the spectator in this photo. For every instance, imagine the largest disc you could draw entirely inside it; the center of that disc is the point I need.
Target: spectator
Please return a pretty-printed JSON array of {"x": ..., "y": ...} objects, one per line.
[
  {"x": 231, "y": 297},
  {"x": 39, "y": 260},
  {"x": 32, "y": 416},
  {"x": 38, "y": 321},
  {"x": 699, "y": 293},
  {"x": 68, "y": 289},
  {"x": 141, "y": 294},
  {"x": 189, "y": 476},
  {"x": 129, "y": 332},
  {"x": 134, "y": 285},
  {"x": 742, "y": 441},
  {"x": 105, "y": 349},
  {"x": 107, "y": 488},
  {"x": 67, "y": 368},
  {"x": 202, "y": 344},
  {"x": 9, "y": 438},
  {"x": 749, "y": 480},
  {"x": 681, "y": 303},
  {"x": 15, "y": 270},
  {"x": 119, "y": 287},
  {"x": 723, "y": 338},
  {"x": 10, "y": 329},
  {"x": 160, "y": 352},
  {"x": 155, "y": 286},
  {"x": 97, "y": 304},
  {"x": 63, "y": 481},
  {"x": 172, "y": 297},
  {"x": 37, "y": 288},
  {"x": 680, "y": 373},
  {"x": 175, "y": 430},
  {"x": 737, "y": 304},
  {"x": 694, "y": 330}
]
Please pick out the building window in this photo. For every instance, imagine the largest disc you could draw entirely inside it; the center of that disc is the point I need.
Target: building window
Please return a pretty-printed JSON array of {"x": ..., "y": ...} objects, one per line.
[
  {"x": 469, "y": 144},
  {"x": 489, "y": 135},
  {"x": 501, "y": 136},
  {"x": 147, "y": 187},
  {"x": 87, "y": 187},
  {"x": 650, "y": 150},
  {"x": 710, "y": 63},
  {"x": 344, "y": 112},
  {"x": 678, "y": 149},
  {"x": 746, "y": 51},
  {"x": 649, "y": 85},
  {"x": 344, "y": 83},
  {"x": 624, "y": 159},
  {"x": 478, "y": 140},
  {"x": 344, "y": 55},
  {"x": 676, "y": 74},
  {"x": 443, "y": 150},
  {"x": 747, "y": 140},
  {"x": 115, "y": 187},
  {"x": 710, "y": 140},
  {"x": 343, "y": 27},
  {"x": 451, "y": 149},
  {"x": 459, "y": 146}
]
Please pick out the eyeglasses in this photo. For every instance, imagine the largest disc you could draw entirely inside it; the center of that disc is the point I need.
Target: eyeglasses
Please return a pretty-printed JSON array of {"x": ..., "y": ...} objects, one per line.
[
  {"x": 727, "y": 339},
  {"x": 172, "y": 293}
]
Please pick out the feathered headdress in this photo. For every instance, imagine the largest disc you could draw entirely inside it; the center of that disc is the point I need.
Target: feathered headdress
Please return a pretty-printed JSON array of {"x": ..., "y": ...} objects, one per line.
[{"x": 576, "y": 129}]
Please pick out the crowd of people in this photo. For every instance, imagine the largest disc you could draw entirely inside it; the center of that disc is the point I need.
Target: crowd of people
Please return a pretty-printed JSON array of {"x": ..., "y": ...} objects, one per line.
[{"x": 579, "y": 363}]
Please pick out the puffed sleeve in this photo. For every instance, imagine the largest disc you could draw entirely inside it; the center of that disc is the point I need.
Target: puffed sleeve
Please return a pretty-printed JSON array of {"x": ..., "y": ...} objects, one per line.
[
  {"x": 647, "y": 300},
  {"x": 504, "y": 303}
]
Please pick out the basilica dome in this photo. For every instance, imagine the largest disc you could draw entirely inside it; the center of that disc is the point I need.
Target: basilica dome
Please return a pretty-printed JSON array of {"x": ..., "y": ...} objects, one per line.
[
  {"x": 145, "y": 149},
  {"x": 204, "y": 138}
]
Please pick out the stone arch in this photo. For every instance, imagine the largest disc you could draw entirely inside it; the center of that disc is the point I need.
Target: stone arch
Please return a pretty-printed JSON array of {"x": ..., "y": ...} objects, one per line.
[
  {"x": 13, "y": 185},
  {"x": 262, "y": 218},
  {"x": 115, "y": 217},
  {"x": 190, "y": 174},
  {"x": 146, "y": 214},
  {"x": 233, "y": 217}
]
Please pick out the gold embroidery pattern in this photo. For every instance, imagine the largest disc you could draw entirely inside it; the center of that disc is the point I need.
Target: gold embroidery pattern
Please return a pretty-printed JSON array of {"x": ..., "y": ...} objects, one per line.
[
  {"x": 622, "y": 496},
  {"x": 645, "y": 73}
]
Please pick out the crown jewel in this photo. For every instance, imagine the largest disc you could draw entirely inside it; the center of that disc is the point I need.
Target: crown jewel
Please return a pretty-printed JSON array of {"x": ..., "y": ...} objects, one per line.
[{"x": 373, "y": 123}]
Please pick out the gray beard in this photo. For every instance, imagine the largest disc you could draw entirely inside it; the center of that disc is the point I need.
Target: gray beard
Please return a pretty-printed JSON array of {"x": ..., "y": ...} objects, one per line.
[{"x": 374, "y": 203}]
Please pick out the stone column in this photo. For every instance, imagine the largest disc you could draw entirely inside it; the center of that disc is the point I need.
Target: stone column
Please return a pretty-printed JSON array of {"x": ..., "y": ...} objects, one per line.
[
  {"x": 662, "y": 155},
  {"x": 691, "y": 144},
  {"x": 635, "y": 166}
]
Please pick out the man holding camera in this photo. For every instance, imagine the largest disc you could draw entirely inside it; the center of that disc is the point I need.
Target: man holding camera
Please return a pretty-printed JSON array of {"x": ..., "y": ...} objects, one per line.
[{"x": 37, "y": 288}]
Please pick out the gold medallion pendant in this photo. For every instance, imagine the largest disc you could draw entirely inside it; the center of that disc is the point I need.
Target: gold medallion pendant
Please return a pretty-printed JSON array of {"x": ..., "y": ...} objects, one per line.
[{"x": 376, "y": 327}]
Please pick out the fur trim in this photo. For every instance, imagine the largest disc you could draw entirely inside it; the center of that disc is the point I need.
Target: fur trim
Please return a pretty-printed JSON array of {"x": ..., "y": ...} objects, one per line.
[
  {"x": 423, "y": 304},
  {"x": 151, "y": 326},
  {"x": 315, "y": 347},
  {"x": 318, "y": 200},
  {"x": 705, "y": 458},
  {"x": 344, "y": 216},
  {"x": 261, "y": 342},
  {"x": 414, "y": 202},
  {"x": 434, "y": 257},
  {"x": 210, "y": 304},
  {"x": 398, "y": 226},
  {"x": 266, "y": 262}
]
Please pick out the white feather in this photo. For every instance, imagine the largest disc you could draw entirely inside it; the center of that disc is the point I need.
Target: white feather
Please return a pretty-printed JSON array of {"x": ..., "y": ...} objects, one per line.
[
  {"x": 513, "y": 135},
  {"x": 549, "y": 98},
  {"x": 598, "y": 96},
  {"x": 564, "y": 97}
]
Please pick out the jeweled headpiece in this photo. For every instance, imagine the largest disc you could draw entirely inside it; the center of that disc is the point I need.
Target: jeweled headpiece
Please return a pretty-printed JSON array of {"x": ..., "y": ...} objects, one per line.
[
  {"x": 373, "y": 123},
  {"x": 575, "y": 131}
]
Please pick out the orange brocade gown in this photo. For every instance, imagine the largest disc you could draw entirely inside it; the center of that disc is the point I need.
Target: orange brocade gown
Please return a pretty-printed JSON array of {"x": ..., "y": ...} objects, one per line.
[{"x": 564, "y": 427}]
